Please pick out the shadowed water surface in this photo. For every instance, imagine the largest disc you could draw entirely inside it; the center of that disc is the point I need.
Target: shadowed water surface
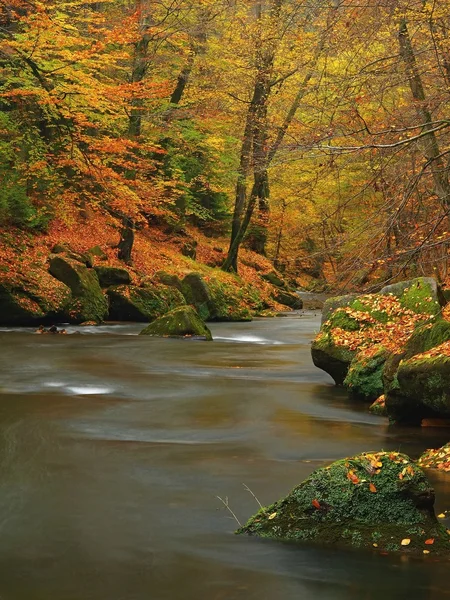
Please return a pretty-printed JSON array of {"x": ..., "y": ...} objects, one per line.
[{"x": 114, "y": 448}]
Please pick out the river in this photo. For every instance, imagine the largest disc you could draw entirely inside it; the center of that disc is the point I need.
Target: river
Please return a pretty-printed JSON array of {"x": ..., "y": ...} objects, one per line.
[{"x": 114, "y": 448}]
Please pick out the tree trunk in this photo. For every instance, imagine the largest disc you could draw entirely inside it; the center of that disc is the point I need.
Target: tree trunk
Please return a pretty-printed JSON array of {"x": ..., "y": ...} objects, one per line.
[
  {"x": 429, "y": 142},
  {"x": 125, "y": 245}
]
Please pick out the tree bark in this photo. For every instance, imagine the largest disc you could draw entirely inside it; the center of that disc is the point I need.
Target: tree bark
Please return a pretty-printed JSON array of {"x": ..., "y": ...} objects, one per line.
[{"x": 429, "y": 142}]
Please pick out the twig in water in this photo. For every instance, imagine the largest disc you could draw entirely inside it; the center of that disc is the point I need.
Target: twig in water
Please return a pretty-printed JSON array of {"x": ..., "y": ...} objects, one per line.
[
  {"x": 250, "y": 492},
  {"x": 227, "y": 506}
]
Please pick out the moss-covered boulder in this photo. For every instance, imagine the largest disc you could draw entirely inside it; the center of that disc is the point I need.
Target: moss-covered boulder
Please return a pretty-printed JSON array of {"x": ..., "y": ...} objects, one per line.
[
  {"x": 32, "y": 298},
  {"x": 109, "y": 276},
  {"x": 332, "y": 304},
  {"x": 422, "y": 294},
  {"x": 218, "y": 298},
  {"x": 197, "y": 294},
  {"x": 63, "y": 248},
  {"x": 142, "y": 304},
  {"x": 276, "y": 280},
  {"x": 374, "y": 500},
  {"x": 365, "y": 375},
  {"x": 181, "y": 323},
  {"x": 333, "y": 358},
  {"x": 168, "y": 279},
  {"x": 98, "y": 253},
  {"x": 288, "y": 299},
  {"x": 88, "y": 302},
  {"x": 357, "y": 324},
  {"x": 422, "y": 387}
]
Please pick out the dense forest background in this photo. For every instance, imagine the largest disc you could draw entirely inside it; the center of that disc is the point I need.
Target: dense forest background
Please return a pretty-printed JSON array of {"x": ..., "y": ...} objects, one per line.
[{"x": 314, "y": 133}]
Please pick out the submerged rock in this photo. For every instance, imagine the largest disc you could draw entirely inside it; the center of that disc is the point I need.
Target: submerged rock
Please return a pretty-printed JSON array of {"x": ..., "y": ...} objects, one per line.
[
  {"x": 374, "y": 500},
  {"x": 181, "y": 322}
]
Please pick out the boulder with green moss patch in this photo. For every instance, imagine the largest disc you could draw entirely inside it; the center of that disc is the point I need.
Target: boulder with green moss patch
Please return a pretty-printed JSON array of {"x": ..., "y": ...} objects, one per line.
[
  {"x": 142, "y": 304},
  {"x": 289, "y": 299},
  {"x": 32, "y": 298},
  {"x": 332, "y": 358},
  {"x": 181, "y": 322},
  {"x": 356, "y": 324},
  {"x": 197, "y": 294},
  {"x": 109, "y": 276},
  {"x": 380, "y": 500},
  {"x": 88, "y": 302},
  {"x": 365, "y": 375},
  {"x": 422, "y": 391},
  {"x": 422, "y": 294}
]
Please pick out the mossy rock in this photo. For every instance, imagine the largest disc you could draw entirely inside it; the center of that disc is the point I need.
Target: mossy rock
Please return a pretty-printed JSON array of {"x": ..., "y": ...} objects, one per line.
[
  {"x": 423, "y": 294},
  {"x": 228, "y": 302},
  {"x": 365, "y": 375},
  {"x": 426, "y": 337},
  {"x": 109, "y": 276},
  {"x": 180, "y": 323},
  {"x": 169, "y": 280},
  {"x": 196, "y": 292},
  {"x": 288, "y": 299},
  {"x": 88, "y": 302},
  {"x": 373, "y": 500},
  {"x": 32, "y": 299},
  {"x": 332, "y": 304},
  {"x": 142, "y": 304},
  {"x": 334, "y": 360},
  {"x": 97, "y": 252},
  {"x": 422, "y": 391},
  {"x": 62, "y": 248},
  {"x": 276, "y": 280}
]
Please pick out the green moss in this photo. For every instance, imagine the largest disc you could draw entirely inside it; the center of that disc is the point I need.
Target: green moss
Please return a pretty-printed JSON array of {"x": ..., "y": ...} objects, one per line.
[
  {"x": 426, "y": 337},
  {"x": 358, "y": 501},
  {"x": 419, "y": 298},
  {"x": 132, "y": 303},
  {"x": 89, "y": 303},
  {"x": 181, "y": 322},
  {"x": 365, "y": 375}
]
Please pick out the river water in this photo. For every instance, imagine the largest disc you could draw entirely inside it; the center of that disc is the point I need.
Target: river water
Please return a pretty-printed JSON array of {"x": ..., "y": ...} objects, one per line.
[{"x": 114, "y": 448}]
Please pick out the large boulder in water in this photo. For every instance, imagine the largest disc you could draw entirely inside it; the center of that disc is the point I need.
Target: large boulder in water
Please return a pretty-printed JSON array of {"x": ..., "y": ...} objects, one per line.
[
  {"x": 88, "y": 302},
  {"x": 181, "y": 322},
  {"x": 355, "y": 324},
  {"x": 417, "y": 380},
  {"x": 142, "y": 304},
  {"x": 379, "y": 499},
  {"x": 32, "y": 298}
]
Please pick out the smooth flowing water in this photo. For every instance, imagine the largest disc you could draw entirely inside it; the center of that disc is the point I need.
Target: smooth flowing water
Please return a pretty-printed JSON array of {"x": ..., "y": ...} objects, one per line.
[{"x": 114, "y": 448}]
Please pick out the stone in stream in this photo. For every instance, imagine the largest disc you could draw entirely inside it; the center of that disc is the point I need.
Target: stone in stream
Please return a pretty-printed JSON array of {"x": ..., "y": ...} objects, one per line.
[
  {"x": 356, "y": 324},
  {"x": 142, "y": 304},
  {"x": 181, "y": 322},
  {"x": 374, "y": 500}
]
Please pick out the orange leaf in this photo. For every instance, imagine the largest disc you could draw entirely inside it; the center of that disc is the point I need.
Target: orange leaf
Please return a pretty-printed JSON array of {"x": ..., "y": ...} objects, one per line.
[
  {"x": 315, "y": 503},
  {"x": 372, "y": 488},
  {"x": 429, "y": 541},
  {"x": 353, "y": 478}
]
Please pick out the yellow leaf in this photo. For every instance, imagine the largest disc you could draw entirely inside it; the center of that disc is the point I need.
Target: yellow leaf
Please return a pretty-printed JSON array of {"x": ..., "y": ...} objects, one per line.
[
  {"x": 406, "y": 542},
  {"x": 272, "y": 516},
  {"x": 375, "y": 545},
  {"x": 441, "y": 516},
  {"x": 426, "y": 551}
]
